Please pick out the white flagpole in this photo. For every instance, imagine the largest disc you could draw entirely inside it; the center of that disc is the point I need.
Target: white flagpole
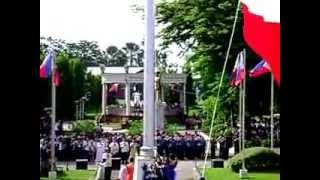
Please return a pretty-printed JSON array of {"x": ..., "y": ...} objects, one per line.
[
  {"x": 243, "y": 106},
  {"x": 271, "y": 111},
  {"x": 53, "y": 115},
  {"x": 240, "y": 118}
]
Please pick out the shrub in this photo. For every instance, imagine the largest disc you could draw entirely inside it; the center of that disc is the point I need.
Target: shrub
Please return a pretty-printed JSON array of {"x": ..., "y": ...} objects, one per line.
[
  {"x": 171, "y": 129},
  {"x": 256, "y": 159},
  {"x": 84, "y": 127},
  {"x": 135, "y": 128}
]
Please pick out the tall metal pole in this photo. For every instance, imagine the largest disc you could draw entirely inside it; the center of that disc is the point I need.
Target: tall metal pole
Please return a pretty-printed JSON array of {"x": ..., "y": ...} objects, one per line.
[
  {"x": 53, "y": 115},
  {"x": 147, "y": 150},
  {"x": 148, "y": 88},
  {"x": 271, "y": 111},
  {"x": 243, "y": 107},
  {"x": 240, "y": 118}
]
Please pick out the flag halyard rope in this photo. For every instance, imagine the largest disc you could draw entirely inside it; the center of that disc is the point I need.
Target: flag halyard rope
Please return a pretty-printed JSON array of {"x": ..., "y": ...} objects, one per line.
[{"x": 219, "y": 87}]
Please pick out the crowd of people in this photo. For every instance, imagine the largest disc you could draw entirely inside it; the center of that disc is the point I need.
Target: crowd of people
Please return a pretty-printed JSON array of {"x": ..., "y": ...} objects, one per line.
[
  {"x": 259, "y": 131},
  {"x": 102, "y": 147},
  {"x": 183, "y": 146},
  {"x": 72, "y": 147}
]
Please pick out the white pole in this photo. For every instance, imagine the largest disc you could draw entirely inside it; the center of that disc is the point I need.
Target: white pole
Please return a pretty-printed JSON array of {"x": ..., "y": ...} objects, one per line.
[
  {"x": 240, "y": 118},
  {"x": 147, "y": 151},
  {"x": 243, "y": 108},
  {"x": 127, "y": 98},
  {"x": 271, "y": 111},
  {"x": 53, "y": 115},
  {"x": 148, "y": 88},
  {"x": 103, "y": 102}
]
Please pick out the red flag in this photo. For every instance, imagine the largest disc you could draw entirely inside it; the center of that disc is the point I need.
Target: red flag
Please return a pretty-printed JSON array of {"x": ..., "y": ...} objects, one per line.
[
  {"x": 114, "y": 88},
  {"x": 56, "y": 78},
  {"x": 261, "y": 30}
]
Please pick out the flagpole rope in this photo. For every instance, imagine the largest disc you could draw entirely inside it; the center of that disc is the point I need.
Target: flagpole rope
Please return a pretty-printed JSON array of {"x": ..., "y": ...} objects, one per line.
[{"x": 219, "y": 88}]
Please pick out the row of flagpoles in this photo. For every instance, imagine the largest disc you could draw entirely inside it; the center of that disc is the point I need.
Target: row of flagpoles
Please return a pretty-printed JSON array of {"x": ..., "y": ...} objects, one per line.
[{"x": 238, "y": 79}]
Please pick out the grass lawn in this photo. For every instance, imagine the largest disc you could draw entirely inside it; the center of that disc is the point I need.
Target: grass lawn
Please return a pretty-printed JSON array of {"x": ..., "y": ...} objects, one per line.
[
  {"x": 227, "y": 174},
  {"x": 75, "y": 175}
]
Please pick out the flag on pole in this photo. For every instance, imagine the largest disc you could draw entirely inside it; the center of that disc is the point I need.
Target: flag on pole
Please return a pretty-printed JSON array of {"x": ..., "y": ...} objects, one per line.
[
  {"x": 239, "y": 71},
  {"x": 46, "y": 66},
  {"x": 261, "y": 30},
  {"x": 114, "y": 88},
  {"x": 46, "y": 69},
  {"x": 261, "y": 68}
]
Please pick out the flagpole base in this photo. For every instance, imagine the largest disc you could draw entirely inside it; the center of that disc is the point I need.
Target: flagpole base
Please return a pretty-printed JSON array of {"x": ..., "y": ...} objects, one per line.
[
  {"x": 140, "y": 161},
  {"x": 52, "y": 175},
  {"x": 243, "y": 173}
]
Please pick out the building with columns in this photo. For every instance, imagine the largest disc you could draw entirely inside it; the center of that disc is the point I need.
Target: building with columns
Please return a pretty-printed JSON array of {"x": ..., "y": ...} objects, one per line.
[{"x": 131, "y": 79}]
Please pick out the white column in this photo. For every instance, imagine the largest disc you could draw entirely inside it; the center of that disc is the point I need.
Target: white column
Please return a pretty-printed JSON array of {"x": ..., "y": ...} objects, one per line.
[
  {"x": 127, "y": 99},
  {"x": 148, "y": 93},
  {"x": 103, "y": 102}
]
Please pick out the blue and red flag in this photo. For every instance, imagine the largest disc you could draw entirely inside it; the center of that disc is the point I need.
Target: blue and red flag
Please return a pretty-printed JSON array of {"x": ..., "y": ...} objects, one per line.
[
  {"x": 239, "y": 71},
  {"x": 46, "y": 66},
  {"x": 261, "y": 68},
  {"x": 46, "y": 69}
]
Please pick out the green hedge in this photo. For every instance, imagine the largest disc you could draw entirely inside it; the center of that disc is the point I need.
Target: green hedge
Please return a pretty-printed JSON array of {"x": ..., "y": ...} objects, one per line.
[
  {"x": 135, "y": 128},
  {"x": 256, "y": 159},
  {"x": 84, "y": 127}
]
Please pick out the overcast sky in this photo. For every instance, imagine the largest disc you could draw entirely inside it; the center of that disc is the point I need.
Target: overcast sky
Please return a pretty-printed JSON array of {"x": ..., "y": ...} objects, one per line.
[{"x": 109, "y": 22}]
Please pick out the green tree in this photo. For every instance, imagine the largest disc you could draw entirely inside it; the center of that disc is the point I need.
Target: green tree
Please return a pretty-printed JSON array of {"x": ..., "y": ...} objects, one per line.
[
  {"x": 134, "y": 54},
  {"x": 202, "y": 28},
  {"x": 87, "y": 51},
  {"x": 93, "y": 85},
  {"x": 114, "y": 57}
]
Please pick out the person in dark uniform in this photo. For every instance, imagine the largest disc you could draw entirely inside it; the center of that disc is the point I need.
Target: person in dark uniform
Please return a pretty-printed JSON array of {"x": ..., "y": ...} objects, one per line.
[
  {"x": 223, "y": 148},
  {"x": 189, "y": 148},
  {"x": 202, "y": 147},
  {"x": 160, "y": 147},
  {"x": 180, "y": 148},
  {"x": 213, "y": 148},
  {"x": 171, "y": 146},
  {"x": 197, "y": 147}
]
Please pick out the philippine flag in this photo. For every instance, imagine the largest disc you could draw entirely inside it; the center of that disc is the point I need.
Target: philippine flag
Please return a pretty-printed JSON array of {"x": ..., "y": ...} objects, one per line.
[
  {"x": 239, "y": 71},
  {"x": 261, "y": 68},
  {"x": 46, "y": 66},
  {"x": 46, "y": 69},
  {"x": 261, "y": 30}
]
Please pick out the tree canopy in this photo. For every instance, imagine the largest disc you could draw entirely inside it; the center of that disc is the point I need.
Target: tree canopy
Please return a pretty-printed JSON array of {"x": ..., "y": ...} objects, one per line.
[{"x": 202, "y": 28}]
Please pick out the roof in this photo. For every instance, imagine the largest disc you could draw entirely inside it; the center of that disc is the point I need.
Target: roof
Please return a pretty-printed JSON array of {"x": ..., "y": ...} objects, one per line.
[{"x": 95, "y": 70}]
